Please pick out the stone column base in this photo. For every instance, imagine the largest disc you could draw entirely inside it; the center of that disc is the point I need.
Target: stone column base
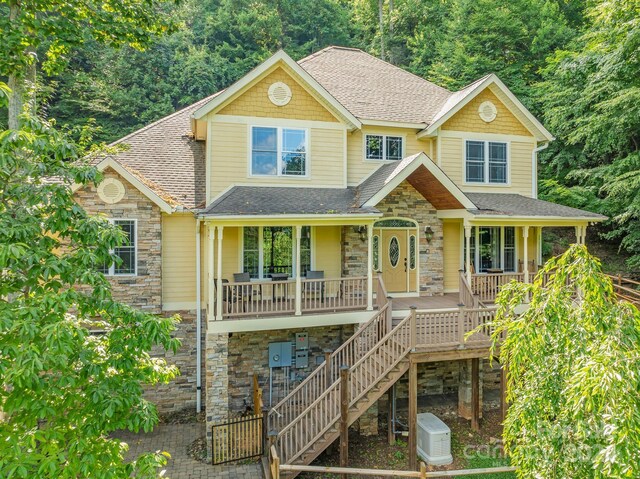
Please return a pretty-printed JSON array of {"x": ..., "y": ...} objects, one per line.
[{"x": 217, "y": 382}]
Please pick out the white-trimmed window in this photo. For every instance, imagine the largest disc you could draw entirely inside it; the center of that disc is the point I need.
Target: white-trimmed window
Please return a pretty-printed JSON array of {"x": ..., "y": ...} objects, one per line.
[
  {"x": 127, "y": 266},
  {"x": 383, "y": 147},
  {"x": 496, "y": 248},
  {"x": 486, "y": 162},
  {"x": 270, "y": 249},
  {"x": 278, "y": 151}
]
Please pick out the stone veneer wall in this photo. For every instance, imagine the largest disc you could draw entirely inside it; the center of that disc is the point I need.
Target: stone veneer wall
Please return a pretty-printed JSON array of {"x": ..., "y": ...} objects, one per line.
[
  {"x": 144, "y": 291},
  {"x": 403, "y": 202},
  {"x": 248, "y": 355}
]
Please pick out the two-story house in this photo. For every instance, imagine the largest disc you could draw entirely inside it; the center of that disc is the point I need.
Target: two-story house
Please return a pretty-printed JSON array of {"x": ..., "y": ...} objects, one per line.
[{"x": 299, "y": 198}]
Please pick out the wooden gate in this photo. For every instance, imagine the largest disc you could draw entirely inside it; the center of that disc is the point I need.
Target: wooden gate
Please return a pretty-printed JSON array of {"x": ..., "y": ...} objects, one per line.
[{"x": 241, "y": 438}]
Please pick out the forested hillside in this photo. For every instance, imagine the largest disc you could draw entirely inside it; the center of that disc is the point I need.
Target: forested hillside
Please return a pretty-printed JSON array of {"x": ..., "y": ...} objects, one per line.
[{"x": 574, "y": 63}]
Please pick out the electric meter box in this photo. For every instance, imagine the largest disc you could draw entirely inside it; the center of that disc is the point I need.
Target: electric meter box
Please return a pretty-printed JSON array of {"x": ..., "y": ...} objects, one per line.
[
  {"x": 302, "y": 359},
  {"x": 280, "y": 355},
  {"x": 302, "y": 341}
]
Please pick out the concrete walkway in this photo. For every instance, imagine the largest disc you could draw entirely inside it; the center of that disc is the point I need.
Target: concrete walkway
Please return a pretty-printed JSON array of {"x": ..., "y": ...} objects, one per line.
[{"x": 175, "y": 439}]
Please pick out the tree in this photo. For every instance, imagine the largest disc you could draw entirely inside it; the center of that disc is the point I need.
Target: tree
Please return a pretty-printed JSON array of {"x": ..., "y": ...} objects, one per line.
[
  {"x": 573, "y": 359},
  {"x": 591, "y": 98},
  {"x": 65, "y": 388},
  {"x": 52, "y": 27}
]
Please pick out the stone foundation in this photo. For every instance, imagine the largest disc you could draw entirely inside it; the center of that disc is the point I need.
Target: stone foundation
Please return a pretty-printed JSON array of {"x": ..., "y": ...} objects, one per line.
[{"x": 465, "y": 389}]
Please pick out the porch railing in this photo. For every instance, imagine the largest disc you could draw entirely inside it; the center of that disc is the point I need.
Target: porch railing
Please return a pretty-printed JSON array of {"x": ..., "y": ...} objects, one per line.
[{"x": 263, "y": 298}]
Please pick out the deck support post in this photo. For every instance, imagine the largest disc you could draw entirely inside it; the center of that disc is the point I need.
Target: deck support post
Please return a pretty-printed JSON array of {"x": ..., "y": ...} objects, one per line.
[
  {"x": 525, "y": 252},
  {"x": 298, "y": 272},
  {"x": 369, "y": 267},
  {"x": 475, "y": 394},
  {"x": 344, "y": 418},
  {"x": 219, "y": 274},
  {"x": 391, "y": 437},
  {"x": 467, "y": 261},
  {"x": 327, "y": 368},
  {"x": 413, "y": 415}
]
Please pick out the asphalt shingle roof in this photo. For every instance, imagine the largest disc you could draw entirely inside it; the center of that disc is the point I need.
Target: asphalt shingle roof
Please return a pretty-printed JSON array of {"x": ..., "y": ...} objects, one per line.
[
  {"x": 508, "y": 204},
  {"x": 252, "y": 200},
  {"x": 166, "y": 157},
  {"x": 373, "y": 89}
]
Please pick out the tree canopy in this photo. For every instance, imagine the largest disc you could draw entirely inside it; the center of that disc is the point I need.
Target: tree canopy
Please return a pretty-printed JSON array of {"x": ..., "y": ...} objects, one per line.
[{"x": 573, "y": 360}]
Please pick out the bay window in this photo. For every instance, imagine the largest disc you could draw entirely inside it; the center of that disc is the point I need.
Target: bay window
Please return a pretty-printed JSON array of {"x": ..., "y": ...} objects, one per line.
[
  {"x": 278, "y": 151},
  {"x": 486, "y": 162},
  {"x": 270, "y": 250},
  {"x": 492, "y": 248}
]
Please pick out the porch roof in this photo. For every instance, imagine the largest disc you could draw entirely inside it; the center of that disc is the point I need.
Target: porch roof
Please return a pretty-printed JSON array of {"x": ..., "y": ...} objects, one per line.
[
  {"x": 514, "y": 205},
  {"x": 275, "y": 201}
]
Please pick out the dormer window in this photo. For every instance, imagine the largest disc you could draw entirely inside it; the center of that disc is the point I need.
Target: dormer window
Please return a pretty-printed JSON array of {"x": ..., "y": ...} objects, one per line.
[
  {"x": 383, "y": 147},
  {"x": 277, "y": 151}
]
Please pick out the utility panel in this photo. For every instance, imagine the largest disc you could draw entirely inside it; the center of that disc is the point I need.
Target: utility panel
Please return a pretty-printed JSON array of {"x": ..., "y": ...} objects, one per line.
[
  {"x": 280, "y": 355},
  {"x": 302, "y": 359},
  {"x": 302, "y": 341}
]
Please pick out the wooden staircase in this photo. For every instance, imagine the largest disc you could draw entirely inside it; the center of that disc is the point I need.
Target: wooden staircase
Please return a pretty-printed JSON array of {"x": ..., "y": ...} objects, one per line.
[{"x": 307, "y": 421}]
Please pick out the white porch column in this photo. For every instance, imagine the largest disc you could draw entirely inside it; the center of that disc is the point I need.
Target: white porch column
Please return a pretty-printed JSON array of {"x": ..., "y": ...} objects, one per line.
[
  {"x": 581, "y": 234},
  {"x": 584, "y": 234},
  {"x": 211, "y": 301},
  {"x": 525, "y": 252},
  {"x": 369, "y": 267},
  {"x": 298, "y": 270},
  {"x": 219, "y": 276},
  {"x": 539, "y": 245},
  {"x": 467, "y": 260}
]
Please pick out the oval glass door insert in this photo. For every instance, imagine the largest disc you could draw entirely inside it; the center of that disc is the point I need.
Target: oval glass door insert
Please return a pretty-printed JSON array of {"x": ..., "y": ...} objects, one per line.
[{"x": 394, "y": 252}]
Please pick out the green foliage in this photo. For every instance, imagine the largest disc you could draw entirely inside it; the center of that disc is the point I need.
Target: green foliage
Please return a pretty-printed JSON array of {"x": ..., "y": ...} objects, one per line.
[
  {"x": 591, "y": 98},
  {"x": 573, "y": 382},
  {"x": 65, "y": 388}
]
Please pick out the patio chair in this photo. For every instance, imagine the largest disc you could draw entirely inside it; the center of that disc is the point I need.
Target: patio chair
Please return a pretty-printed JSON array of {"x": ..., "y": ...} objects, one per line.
[
  {"x": 314, "y": 288},
  {"x": 245, "y": 292},
  {"x": 284, "y": 289}
]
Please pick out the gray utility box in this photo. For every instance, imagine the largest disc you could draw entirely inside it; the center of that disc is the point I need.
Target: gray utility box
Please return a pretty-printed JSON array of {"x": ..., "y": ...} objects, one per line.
[
  {"x": 302, "y": 341},
  {"x": 434, "y": 440},
  {"x": 280, "y": 355},
  {"x": 302, "y": 359}
]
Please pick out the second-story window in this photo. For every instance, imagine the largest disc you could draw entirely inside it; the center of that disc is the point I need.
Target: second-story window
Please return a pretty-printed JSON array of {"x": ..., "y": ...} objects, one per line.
[
  {"x": 383, "y": 147},
  {"x": 278, "y": 151},
  {"x": 126, "y": 251},
  {"x": 486, "y": 162}
]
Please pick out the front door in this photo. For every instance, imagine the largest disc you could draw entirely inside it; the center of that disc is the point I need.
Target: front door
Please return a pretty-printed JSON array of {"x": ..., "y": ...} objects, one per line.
[{"x": 395, "y": 260}]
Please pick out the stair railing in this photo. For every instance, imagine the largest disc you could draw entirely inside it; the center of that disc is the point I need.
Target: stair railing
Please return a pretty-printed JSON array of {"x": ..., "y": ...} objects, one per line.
[{"x": 363, "y": 339}]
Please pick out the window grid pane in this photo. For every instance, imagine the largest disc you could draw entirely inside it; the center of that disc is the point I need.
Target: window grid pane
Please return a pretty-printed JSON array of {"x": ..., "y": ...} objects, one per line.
[
  {"x": 264, "y": 151},
  {"x": 294, "y": 156},
  {"x": 497, "y": 162},
  {"x": 376, "y": 253},
  {"x": 509, "y": 249},
  {"x": 127, "y": 251},
  {"x": 374, "y": 147},
  {"x": 475, "y": 161},
  {"x": 412, "y": 252},
  {"x": 305, "y": 250},
  {"x": 251, "y": 252},
  {"x": 394, "y": 147}
]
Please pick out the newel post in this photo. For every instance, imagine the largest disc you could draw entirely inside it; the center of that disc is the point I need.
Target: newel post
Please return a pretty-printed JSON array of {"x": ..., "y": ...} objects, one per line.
[
  {"x": 327, "y": 368},
  {"x": 389, "y": 315},
  {"x": 413, "y": 328},
  {"x": 461, "y": 331}
]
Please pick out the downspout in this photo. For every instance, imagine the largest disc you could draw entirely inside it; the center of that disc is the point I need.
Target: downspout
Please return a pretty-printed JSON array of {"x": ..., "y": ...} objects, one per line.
[
  {"x": 198, "y": 324},
  {"x": 534, "y": 169}
]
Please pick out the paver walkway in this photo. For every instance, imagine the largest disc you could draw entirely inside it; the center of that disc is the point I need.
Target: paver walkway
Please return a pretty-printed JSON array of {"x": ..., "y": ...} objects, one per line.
[{"x": 175, "y": 439}]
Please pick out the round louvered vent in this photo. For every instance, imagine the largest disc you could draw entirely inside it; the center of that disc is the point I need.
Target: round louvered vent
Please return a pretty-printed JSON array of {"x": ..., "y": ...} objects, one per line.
[
  {"x": 279, "y": 94},
  {"x": 487, "y": 111},
  {"x": 111, "y": 191}
]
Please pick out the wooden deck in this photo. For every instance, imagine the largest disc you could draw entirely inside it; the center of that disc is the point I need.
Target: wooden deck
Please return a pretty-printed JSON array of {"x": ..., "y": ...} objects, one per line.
[{"x": 446, "y": 301}]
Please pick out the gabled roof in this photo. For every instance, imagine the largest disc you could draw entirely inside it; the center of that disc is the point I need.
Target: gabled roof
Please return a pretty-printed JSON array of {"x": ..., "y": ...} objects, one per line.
[
  {"x": 288, "y": 201},
  {"x": 263, "y": 69},
  {"x": 508, "y": 204},
  {"x": 372, "y": 89},
  {"x": 423, "y": 174},
  {"x": 167, "y": 157},
  {"x": 459, "y": 99}
]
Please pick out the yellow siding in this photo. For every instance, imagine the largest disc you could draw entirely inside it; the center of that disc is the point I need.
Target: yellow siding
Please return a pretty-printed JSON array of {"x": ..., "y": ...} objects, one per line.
[
  {"x": 255, "y": 101},
  {"x": 451, "y": 255},
  {"x": 358, "y": 168},
  {"x": 467, "y": 119},
  {"x": 520, "y": 173},
  {"x": 327, "y": 253},
  {"x": 178, "y": 260},
  {"x": 532, "y": 252},
  {"x": 230, "y": 159},
  {"x": 231, "y": 261}
]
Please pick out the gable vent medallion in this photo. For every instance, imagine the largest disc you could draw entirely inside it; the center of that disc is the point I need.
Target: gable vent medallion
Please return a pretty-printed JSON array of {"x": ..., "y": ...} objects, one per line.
[
  {"x": 279, "y": 93},
  {"x": 487, "y": 111},
  {"x": 111, "y": 191}
]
